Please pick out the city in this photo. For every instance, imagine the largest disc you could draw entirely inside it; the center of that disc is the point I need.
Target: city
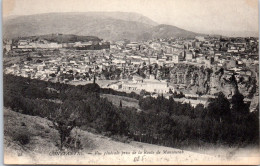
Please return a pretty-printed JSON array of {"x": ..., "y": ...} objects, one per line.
[{"x": 154, "y": 66}]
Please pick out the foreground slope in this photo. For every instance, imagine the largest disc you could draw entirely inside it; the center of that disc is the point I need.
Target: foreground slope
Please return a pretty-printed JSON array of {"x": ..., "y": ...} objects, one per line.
[{"x": 41, "y": 147}]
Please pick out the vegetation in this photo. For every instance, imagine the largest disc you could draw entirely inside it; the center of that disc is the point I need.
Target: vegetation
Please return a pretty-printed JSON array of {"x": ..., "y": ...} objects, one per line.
[
  {"x": 162, "y": 121},
  {"x": 22, "y": 138},
  {"x": 126, "y": 101},
  {"x": 64, "y": 121}
]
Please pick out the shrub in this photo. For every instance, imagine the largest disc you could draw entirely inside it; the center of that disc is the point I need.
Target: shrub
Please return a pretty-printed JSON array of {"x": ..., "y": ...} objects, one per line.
[
  {"x": 47, "y": 131},
  {"x": 22, "y": 138},
  {"x": 38, "y": 127},
  {"x": 73, "y": 143},
  {"x": 23, "y": 124}
]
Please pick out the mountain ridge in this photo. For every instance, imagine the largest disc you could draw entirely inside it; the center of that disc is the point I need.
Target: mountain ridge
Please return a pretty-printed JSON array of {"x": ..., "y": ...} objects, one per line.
[{"x": 105, "y": 25}]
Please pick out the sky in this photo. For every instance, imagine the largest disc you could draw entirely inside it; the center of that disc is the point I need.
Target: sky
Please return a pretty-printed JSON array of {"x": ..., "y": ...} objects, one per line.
[{"x": 204, "y": 16}]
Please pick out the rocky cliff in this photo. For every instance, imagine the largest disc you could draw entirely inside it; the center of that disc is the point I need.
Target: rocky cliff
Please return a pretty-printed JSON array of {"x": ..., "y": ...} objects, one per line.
[{"x": 201, "y": 80}]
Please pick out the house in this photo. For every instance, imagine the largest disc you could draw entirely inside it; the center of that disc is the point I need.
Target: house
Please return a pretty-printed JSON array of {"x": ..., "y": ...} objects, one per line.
[
  {"x": 8, "y": 47},
  {"x": 133, "y": 46},
  {"x": 189, "y": 56},
  {"x": 200, "y": 38},
  {"x": 155, "y": 86},
  {"x": 130, "y": 86},
  {"x": 176, "y": 58},
  {"x": 116, "y": 86},
  {"x": 137, "y": 79},
  {"x": 245, "y": 72},
  {"x": 232, "y": 64},
  {"x": 194, "y": 102},
  {"x": 136, "y": 62},
  {"x": 153, "y": 60}
]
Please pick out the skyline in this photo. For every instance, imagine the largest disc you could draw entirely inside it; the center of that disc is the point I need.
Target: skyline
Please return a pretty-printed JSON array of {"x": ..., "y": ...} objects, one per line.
[{"x": 228, "y": 18}]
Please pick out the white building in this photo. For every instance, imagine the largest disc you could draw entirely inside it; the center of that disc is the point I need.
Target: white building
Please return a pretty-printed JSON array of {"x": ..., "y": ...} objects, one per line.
[
  {"x": 116, "y": 86},
  {"x": 189, "y": 56},
  {"x": 150, "y": 85},
  {"x": 175, "y": 58}
]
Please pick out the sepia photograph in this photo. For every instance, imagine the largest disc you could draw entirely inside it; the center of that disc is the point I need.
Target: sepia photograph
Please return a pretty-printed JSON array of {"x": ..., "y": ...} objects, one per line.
[{"x": 130, "y": 82}]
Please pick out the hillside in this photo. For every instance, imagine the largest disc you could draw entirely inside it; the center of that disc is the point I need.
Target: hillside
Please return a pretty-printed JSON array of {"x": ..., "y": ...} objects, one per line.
[
  {"x": 61, "y": 38},
  {"x": 166, "y": 31},
  {"x": 42, "y": 145},
  {"x": 105, "y": 25}
]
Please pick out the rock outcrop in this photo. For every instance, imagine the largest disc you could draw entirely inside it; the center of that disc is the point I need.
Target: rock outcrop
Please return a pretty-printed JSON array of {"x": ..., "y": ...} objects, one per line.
[{"x": 201, "y": 80}]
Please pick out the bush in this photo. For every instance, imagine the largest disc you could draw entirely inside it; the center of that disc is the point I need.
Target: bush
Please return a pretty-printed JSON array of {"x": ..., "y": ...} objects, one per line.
[
  {"x": 73, "y": 143},
  {"x": 22, "y": 138},
  {"x": 47, "y": 131},
  {"x": 23, "y": 124}
]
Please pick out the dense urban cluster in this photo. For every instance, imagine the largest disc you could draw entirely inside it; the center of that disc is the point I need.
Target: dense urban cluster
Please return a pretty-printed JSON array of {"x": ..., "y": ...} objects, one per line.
[{"x": 153, "y": 66}]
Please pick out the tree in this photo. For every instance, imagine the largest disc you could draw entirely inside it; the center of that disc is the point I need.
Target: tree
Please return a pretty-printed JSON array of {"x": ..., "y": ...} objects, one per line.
[
  {"x": 38, "y": 61},
  {"x": 219, "y": 108},
  {"x": 94, "y": 80},
  {"x": 170, "y": 108},
  {"x": 144, "y": 93},
  {"x": 120, "y": 104},
  {"x": 238, "y": 105},
  {"x": 28, "y": 58},
  {"x": 64, "y": 122},
  {"x": 200, "y": 110},
  {"x": 53, "y": 75},
  {"x": 90, "y": 71}
]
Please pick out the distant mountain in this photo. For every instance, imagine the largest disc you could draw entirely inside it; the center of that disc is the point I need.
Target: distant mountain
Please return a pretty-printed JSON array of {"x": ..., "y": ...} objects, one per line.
[
  {"x": 124, "y": 16},
  {"x": 105, "y": 25}
]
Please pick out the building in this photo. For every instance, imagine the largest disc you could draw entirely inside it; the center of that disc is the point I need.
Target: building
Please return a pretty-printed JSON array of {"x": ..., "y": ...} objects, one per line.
[
  {"x": 150, "y": 85},
  {"x": 116, "y": 86},
  {"x": 176, "y": 58},
  {"x": 189, "y": 56},
  {"x": 200, "y": 38},
  {"x": 133, "y": 46}
]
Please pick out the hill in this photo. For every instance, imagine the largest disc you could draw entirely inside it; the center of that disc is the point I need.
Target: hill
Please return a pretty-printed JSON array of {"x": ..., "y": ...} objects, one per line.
[
  {"x": 105, "y": 25},
  {"x": 42, "y": 142},
  {"x": 61, "y": 38},
  {"x": 166, "y": 31}
]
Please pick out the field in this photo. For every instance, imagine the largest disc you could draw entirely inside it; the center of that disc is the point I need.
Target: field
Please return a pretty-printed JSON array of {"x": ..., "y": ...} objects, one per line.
[{"x": 126, "y": 101}]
